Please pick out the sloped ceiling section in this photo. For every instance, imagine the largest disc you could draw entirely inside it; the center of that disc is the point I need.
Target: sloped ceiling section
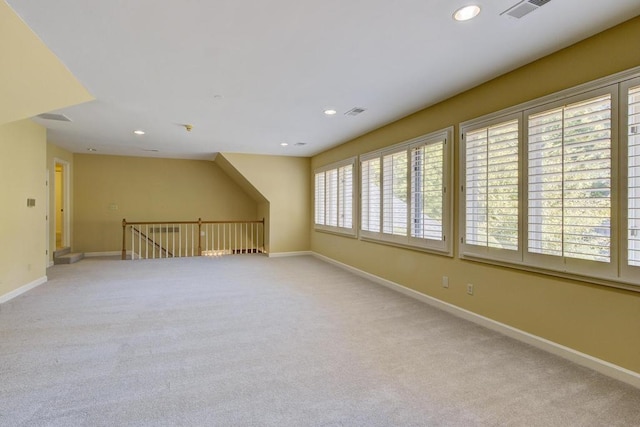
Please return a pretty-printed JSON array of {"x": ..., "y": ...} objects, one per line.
[
  {"x": 238, "y": 178},
  {"x": 32, "y": 78}
]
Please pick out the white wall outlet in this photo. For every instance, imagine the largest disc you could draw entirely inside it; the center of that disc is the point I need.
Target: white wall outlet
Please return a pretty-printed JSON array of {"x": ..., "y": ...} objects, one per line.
[
  {"x": 470, "y": 288},
  {"x": 445, "y": 282}
]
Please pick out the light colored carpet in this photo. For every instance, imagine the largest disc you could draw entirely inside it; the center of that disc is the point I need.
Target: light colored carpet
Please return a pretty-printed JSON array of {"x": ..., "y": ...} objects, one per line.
[{"x": 256, "y": 341}]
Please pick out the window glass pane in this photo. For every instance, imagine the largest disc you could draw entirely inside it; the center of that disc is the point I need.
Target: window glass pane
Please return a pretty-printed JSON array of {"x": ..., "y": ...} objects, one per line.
[
  {"x": 394, "y": 196},
  {"x": 570, "y": 181},
  {"x": 492, "y": 186},
  {"x": 370, "y": 216},
  {"x": 319, "y": 198},
  {"x": 427, "y": 201},
  {"x": 633, "y": 202}
]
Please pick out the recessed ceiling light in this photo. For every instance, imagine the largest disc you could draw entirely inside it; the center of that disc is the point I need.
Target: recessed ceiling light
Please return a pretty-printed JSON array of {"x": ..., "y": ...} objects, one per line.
[
  {"x": 91, "y": 149},
  {"x": 330, "y": 111},
  {"x": 466, "y": 12},
  {"x": 284, "y": 144},
  {"x": 138, "y": 132}
]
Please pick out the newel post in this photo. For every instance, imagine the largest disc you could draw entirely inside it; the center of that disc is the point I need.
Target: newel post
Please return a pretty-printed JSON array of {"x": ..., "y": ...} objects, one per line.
[
  {"x": 124, "y": 250},
  {"x": 199, "y": 236}
]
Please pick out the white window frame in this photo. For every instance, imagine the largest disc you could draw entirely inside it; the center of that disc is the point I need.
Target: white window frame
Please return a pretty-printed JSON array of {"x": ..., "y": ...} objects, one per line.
[
  {"x": 627, "y": 272},
  {"x": 569, "y": 264},
  {"x": 617, "y": 272},
  {"x": 443, "y": 246},
  {"x": 469, "y": 250},
  {"x": 335, "y": 168}
]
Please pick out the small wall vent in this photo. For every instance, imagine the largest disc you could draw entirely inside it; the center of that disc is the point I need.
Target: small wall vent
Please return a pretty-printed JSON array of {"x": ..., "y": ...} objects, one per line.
[
  {"x": 53, "y": 116},
  {"x": 524, "y": 7},
  {"x": 355, "y": 111}
]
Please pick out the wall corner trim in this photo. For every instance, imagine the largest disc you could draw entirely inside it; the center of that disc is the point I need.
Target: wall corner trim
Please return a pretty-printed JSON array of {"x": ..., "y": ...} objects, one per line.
[
  {"x": 22, "y": 289},
  {"x": 287, "y": 254},
  {"x": 606, "y": 368}
]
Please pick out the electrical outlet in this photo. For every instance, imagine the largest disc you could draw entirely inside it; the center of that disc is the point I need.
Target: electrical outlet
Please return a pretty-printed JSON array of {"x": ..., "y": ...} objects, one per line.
[
  {"x": 469, "y": 288},
  {"x": 445, "y": 282}
]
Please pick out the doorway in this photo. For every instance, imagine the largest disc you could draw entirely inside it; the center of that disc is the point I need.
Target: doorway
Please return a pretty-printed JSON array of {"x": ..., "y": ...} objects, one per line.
[{"x": 61, "y": 201}]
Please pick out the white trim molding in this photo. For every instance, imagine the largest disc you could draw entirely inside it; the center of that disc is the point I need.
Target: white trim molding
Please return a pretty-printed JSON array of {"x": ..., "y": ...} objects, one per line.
[
  {"x": 22, "y": 289},
  {"x": 602, "y": 366},
  {"x": 99, "y": 254},
  {"x": 287, "y": 254}
]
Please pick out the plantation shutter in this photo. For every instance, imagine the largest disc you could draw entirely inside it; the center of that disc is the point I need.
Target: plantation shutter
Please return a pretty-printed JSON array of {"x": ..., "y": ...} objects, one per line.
[
  {"x": 319, "y": 198},
  {"x": 569, "y": 174},
  {"x": 394, "y": 193},
  {"x": 331, "y": 212},
  {"x": 370, "y": 199},
  {"x": 633, "y": 183},
  {"x": 492, "y": 186},
  {"x": 427, "y": 162},
  {"x": 345, "y": 199}
]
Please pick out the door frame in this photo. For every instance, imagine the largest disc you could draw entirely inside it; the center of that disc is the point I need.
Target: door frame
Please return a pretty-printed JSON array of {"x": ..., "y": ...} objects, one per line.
[{"x": 65, "y": 201}]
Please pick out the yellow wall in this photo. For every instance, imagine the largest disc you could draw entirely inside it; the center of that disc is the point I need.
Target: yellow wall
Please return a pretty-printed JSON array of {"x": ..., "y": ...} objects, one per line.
[
  {"x": 600, "y": 321},
  {"x": 32, "y": 78},
  {"x": 146, "y": 189},
  {"x": 283, "y": 181},
  {"x": 22, "y": 228},
  {"x": 56, "y": 153}
]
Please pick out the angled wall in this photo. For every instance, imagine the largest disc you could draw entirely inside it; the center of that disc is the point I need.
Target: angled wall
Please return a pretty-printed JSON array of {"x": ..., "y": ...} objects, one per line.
[
  {"x": 32, "y": 78},
  {"x": 283, "y": 182}
]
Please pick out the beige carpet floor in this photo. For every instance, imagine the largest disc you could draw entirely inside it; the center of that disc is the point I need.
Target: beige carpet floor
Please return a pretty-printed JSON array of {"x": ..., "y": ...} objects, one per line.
[{"x": 256, "y": 341}]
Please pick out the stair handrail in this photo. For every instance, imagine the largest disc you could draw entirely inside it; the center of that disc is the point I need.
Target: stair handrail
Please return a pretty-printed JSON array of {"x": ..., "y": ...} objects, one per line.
[
  {"x": 152, "y": 241},
  {"x": 200, "y": 222}
]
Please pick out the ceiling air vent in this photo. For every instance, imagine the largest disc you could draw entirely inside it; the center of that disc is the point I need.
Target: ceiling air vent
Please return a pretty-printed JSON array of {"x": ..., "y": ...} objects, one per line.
[
  {"x": 355, "y": 111},
  {"x": 524, "y": 7},
  {"x": 53, "y": 116}
]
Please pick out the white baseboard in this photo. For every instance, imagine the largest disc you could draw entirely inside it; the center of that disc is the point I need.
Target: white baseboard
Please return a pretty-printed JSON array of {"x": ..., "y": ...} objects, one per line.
[
  {"x": 582, "y": 359},
  {"x": 22, "y": 289},
  {"x": 285, "y": 254},
  {"x": 98, "y": 254}
]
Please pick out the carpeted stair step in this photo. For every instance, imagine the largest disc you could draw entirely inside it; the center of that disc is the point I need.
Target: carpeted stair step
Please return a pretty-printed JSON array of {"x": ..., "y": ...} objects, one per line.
[
  {"x": 62, "y": 251},
  {"x": 64, "y": 256}
]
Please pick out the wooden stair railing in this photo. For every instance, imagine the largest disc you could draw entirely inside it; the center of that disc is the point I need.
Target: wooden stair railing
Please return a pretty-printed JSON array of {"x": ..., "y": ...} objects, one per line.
[
  {"x": 168, "y": 239},
  {"x": 151, "y": 241}
]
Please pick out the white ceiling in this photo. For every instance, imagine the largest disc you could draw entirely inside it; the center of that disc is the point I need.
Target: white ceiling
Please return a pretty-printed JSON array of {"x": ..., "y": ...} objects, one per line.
[{"x": 249, "y": 75}]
